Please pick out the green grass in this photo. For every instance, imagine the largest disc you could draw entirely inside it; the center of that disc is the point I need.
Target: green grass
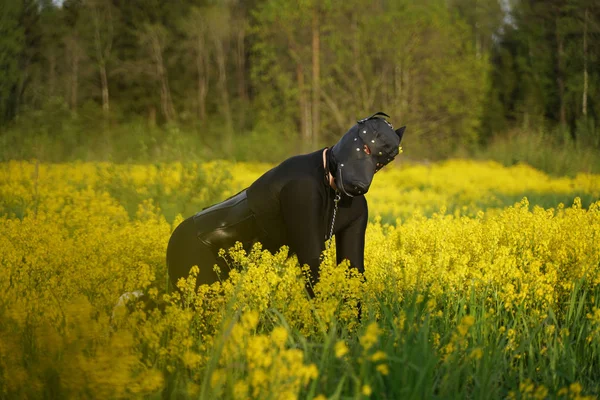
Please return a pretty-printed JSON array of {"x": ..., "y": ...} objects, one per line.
[
  {"x": 545, "y": 354},
  {"x": 554, "y": 154}
]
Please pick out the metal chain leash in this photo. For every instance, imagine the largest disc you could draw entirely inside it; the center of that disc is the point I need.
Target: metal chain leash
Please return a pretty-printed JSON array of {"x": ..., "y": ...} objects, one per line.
[{"x": 335, "y": 208}]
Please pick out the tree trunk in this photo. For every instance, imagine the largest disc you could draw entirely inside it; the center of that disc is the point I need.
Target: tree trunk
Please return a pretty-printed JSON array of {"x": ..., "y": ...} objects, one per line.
[
  {"x": 386, "y": 90},
  {"x": 405, "y": 88},
  {"x": 241, "y": 72},
  {"x": 358, "y": 80},
  {"x": 397, "y": 99},
  {"x": 241, "y": 64},
  {"x": 165, "y": 92},
  {"x": 21, "y": 85},
  {"x": 585, "y": 65},
  {"x": 478, "y": 46},
  {"x": 316, "y": 75},
  {"x": 303, "y": 107},
  {"x": 560, "y": 74},
  {"x": 202, "y": 81},
  {"x": 74, "y": 74},
  {"x": 52, "y": 74},
  {"x": 222, "y": 85},
  {"x": 400, "y": 97},
  {"x": 105, "y": 97},
  {"x": 101, "y": 56}
]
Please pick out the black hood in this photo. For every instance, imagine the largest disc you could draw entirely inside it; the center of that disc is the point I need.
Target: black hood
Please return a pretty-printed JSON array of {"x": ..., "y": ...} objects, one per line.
[{"x": 363, "y": 150}]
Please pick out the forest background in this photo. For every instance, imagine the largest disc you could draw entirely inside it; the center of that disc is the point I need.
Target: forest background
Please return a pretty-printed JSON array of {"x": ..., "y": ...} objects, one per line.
[{"x": 150, "y": 80}]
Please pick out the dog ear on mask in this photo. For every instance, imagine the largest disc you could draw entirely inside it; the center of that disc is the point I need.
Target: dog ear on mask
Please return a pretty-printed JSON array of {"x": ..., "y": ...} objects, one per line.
[{"x": 400, "y": 132}]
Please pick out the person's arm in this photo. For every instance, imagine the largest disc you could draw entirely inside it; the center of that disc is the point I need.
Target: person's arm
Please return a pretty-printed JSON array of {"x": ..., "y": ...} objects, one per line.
[
  {"x": 350, "y": 242},
  {"x": 301, "y": 205}
]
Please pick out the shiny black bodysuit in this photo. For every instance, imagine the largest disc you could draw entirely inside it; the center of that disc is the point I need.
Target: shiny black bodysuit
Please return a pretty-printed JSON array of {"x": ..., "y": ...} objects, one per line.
[{"x": 291, "y": 204}]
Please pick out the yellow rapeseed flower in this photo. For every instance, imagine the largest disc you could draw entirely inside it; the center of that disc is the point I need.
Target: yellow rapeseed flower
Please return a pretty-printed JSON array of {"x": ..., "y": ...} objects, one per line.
[
  {"x": 279, "y": 336},
  {"x": 371, "y": 336},
  {"x": 366, "y": 390},
  {"x": 341, "y": 349},
  {"x": 378, "y": 356},
  {"x": 383, "y": 369},
  {"x": 240, "y": 390},
  {"x": 476, "y": 353},
  {"x": 466, "y": 322}
]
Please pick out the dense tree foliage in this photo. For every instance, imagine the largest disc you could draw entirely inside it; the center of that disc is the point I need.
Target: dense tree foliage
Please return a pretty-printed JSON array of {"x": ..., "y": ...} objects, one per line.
[
  {"x": 459, "y": 72},
  {"x": 546, "y": 68}
]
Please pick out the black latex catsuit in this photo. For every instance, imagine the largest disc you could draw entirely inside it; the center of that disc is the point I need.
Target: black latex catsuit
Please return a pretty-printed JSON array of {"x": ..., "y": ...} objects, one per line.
[{"x": 292, "y": 204}]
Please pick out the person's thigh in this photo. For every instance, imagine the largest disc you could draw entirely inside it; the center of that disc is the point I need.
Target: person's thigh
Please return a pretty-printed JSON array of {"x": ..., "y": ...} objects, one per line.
[{"x": 185, "y": 250}]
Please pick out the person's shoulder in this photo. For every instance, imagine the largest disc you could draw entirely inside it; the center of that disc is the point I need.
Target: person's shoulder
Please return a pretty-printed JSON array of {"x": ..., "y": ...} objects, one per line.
[
  {"x": 303, "y": 186},
  {"x": 294, "y": 167},
  {"x": 300, "y": 170},
  {"x": 302, "y": 161}
]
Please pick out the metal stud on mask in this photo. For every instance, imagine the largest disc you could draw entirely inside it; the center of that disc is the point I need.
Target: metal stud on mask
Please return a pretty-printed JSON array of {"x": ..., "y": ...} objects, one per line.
[{"x": 363, "y": 150}]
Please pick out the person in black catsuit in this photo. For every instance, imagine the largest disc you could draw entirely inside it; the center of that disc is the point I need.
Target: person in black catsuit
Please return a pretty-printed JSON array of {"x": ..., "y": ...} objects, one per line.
[{"x": 293, "y": 204}]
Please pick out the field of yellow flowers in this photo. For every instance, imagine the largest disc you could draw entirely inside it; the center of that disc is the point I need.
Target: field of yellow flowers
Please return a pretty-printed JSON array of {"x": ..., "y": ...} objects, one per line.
[{"x": 481, "y": 281}]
